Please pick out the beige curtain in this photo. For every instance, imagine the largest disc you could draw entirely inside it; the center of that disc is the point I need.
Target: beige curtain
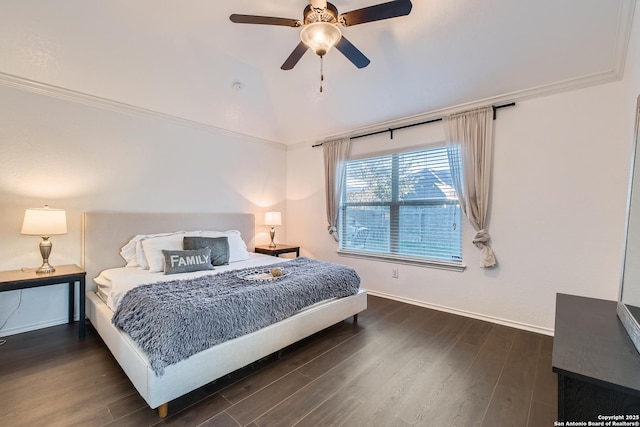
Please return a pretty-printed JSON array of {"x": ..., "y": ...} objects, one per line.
[
  {"x": 335, "y": 157},
  {"x": 469, "y": 138}
]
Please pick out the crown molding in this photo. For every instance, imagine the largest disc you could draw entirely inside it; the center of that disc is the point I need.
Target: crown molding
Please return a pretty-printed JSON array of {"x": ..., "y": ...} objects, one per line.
[
  {"x": 82, "y": 98},
  {"x": 616, "y": 73},
  {"x": 516, "y": 96},
  {"x": 625, "y": 21}
]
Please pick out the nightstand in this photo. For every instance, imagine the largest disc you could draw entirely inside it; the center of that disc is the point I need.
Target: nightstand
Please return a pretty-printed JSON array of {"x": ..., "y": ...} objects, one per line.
[
  {"x": 23, "y": 279},
  {"x": 279, "y": 249}
]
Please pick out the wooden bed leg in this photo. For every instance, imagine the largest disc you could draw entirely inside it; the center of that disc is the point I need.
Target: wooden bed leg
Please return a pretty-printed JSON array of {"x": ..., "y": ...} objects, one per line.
[
  {"x": 163, "y": 410},
  {"x": 355, "y": 319}
]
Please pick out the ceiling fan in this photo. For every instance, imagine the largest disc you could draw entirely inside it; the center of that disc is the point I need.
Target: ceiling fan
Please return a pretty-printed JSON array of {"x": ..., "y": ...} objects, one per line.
[{"x": 320, "y": 27}]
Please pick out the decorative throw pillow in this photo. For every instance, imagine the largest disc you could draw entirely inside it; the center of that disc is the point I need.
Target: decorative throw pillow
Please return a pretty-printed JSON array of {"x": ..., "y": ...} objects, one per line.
[
  {"x": 219, "y": 247},
  {"x": 187, "y": 261},
  {"x": 237, "y": 247}
]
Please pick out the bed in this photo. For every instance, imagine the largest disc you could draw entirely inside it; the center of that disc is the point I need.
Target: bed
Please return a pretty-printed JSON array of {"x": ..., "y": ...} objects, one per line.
[{"x": 104, "y": 234}]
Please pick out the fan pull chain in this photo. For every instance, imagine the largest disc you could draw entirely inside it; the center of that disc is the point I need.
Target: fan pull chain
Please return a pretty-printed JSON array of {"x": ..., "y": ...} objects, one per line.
[{"x": 321, "y": 74}]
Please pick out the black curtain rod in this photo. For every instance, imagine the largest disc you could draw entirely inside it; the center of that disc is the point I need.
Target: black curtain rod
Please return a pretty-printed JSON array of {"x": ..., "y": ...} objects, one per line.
[{"x": 391, "y": 130}]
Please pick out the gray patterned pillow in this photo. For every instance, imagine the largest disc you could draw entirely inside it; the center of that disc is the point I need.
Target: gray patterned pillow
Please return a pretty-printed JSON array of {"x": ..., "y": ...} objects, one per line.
[
  {"x": 219, "y": 247},
  {"x": 187, "y": 261}
]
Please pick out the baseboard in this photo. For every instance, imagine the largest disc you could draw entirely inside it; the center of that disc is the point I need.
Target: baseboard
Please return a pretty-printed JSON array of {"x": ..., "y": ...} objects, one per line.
[
  {"x": 504, "y": 322},
  {"x": 35, "y": 326}
]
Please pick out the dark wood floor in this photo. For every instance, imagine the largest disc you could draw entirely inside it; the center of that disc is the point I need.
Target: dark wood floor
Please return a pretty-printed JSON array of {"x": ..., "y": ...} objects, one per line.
[{"x": 400, "y": 365}]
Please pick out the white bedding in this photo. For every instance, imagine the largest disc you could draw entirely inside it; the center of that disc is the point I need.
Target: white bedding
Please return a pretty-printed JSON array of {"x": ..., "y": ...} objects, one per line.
[{"x": 114, "y": 283}]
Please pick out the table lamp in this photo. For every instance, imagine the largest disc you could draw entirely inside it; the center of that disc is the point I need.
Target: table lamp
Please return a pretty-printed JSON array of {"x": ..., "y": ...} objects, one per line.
[
  {"x": 272, "y": 219},
  {"x": 44, "y": 222}
]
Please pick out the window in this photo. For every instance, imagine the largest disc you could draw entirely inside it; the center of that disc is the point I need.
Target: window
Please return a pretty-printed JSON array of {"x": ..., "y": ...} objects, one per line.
[{"x": 402, "y": 205}]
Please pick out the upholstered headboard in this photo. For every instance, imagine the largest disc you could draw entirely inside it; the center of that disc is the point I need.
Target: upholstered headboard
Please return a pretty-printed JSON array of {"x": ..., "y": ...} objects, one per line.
[{"x": 104, "y": 233}]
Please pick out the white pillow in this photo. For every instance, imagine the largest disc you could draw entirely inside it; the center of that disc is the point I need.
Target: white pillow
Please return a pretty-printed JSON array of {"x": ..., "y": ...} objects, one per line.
[
  {"x": 140, "y": 259},
  {"x": 237, "y": 247},
  {"x": 153, "y": 247},
  {"x": 128, "y": 252},
  {"x": 132, "y": 252}
]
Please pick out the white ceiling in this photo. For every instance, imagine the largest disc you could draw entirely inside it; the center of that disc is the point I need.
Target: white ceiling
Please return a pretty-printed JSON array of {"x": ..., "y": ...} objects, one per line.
[{"x": 182, "y": 58}]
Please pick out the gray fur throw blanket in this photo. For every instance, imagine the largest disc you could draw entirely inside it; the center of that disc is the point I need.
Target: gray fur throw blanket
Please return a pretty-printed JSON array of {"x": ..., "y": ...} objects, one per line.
[{"x": 176, "y": 319}]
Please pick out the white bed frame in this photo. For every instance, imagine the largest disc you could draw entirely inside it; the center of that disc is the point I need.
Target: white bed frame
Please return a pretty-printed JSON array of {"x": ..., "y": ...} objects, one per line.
[{"x": 104, "y": 233}]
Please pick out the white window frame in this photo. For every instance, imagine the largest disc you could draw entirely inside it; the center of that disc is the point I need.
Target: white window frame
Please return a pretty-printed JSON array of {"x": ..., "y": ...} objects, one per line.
[{"x": 394, "y": 207}]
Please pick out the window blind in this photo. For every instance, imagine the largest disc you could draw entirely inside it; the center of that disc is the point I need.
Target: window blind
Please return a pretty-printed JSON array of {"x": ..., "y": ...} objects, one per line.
[{"x": 402, "y": 204}]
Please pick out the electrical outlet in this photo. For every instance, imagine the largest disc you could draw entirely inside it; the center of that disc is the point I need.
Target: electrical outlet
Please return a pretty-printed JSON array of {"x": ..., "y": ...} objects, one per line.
[{"x": 394, "y": 273}]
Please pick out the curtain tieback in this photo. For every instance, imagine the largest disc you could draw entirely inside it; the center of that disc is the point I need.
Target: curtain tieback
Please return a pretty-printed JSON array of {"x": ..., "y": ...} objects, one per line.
[
  {"x": 333, "y": 230},
  {"x": 481, "y": 240}
]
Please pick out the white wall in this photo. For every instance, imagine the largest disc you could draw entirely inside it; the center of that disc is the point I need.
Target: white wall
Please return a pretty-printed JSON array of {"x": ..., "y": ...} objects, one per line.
[
  {"x": 559, "y": 191},
  {"x": 80, "y": 158},
  {"x": 557, "y": 221}
]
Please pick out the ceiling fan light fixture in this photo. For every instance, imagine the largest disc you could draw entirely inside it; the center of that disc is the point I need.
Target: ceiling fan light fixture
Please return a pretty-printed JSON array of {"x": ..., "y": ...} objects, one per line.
[
  {"x": 320, "y": 27},
  {"x": 320, "y": 36}
]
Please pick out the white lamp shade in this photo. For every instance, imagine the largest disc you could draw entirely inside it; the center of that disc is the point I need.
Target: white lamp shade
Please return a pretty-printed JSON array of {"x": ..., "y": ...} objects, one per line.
[
  {"x": 272, "y": 218},
  {"x": 44, "y": 222},
  {"x": 320, "y": 36}
]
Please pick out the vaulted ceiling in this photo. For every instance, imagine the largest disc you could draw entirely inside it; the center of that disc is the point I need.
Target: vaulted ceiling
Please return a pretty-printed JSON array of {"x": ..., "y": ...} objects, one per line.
[{"x": 185, "y": 59}]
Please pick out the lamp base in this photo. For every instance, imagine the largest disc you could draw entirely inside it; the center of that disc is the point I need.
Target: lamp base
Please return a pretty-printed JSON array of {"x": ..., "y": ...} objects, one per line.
[
  {"x": 45, "y": 251},
  {"x": 45, "y": 268},
  {"x": 272, "y": 233}
]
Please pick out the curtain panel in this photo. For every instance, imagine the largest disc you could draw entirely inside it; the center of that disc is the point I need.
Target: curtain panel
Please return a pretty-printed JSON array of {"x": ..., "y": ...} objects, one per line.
[
  {"x": 469, "y": 137},
  {"x": 335, "y": 157}
]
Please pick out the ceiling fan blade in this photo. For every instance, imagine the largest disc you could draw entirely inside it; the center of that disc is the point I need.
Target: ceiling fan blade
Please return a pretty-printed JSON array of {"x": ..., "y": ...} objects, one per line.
[
  {"x": 378, "y": 12},
  {"x": 265, "y": 20},
  {"x": 295, "y": 56},
  {"x": 352, "y": 53}
]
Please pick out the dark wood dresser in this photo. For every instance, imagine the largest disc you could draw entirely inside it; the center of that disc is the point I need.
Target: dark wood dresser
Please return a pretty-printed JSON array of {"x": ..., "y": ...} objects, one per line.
[{"x": 598, "y": 366}]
